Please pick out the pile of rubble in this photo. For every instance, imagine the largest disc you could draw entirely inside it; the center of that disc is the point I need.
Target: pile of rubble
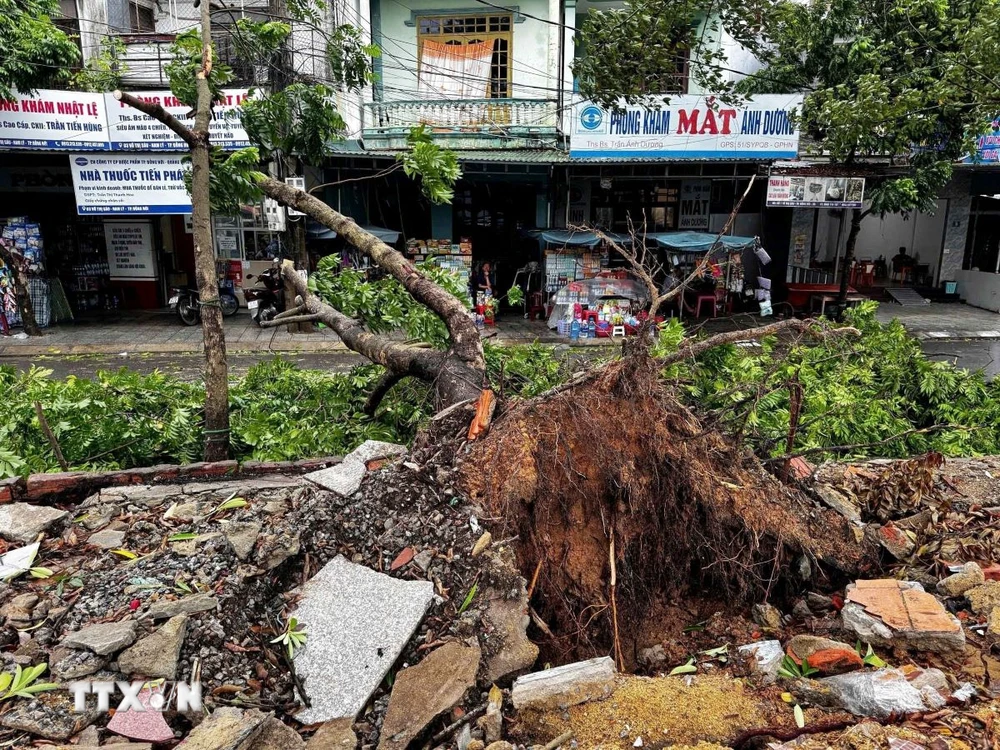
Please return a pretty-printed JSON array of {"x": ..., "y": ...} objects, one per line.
[{"x": 368, "y": 605}]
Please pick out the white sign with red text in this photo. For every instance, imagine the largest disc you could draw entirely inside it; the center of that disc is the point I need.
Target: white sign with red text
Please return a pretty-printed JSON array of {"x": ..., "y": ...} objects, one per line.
[
  {"x": 688, "y": 127},
  {"x": 58, "y": 120},
  {"x": 131, "y": 130}
]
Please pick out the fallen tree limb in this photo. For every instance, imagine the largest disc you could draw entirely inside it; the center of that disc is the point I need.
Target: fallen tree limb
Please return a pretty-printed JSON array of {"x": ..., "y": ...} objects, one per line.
[
  {"x": 157, "y": 112},
  {"x": 858, "y": 446},
  {"x": 384, "y": 385}
]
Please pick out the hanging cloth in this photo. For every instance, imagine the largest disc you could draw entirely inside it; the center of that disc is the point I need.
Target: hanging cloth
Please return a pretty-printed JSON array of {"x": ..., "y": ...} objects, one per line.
[{"x": 455, "y": 71}]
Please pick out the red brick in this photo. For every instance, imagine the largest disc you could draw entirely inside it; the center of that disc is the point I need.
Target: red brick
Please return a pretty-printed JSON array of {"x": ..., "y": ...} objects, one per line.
[{"x": 11, "y": 489}]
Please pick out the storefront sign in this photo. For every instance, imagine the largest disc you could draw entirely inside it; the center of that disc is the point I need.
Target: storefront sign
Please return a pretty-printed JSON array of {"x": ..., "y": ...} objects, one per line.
[
  {"x": 815, "y": 192},
  {"x": 696, "y": 196},
  {"x": 987, "y": 147},
  {"x": 689, "y": 127},
  {"x": 129, "y": 184},
  {"x": 49, "y": 120},
  {"x": 131, "y": 130},
  {"x": 130, "y": 249},
  {"x": 36, "y": 180}
]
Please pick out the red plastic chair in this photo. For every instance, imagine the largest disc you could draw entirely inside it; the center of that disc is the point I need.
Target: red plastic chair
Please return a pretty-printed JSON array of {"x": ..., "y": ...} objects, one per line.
[{"x": 711, "y": 299}]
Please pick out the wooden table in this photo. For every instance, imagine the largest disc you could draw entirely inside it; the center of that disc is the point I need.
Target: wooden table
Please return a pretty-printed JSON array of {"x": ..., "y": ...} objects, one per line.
[{"x": 800, "y": 294}]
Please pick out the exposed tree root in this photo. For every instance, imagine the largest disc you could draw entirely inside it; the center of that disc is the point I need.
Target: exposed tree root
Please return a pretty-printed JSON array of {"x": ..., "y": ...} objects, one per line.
[{"x": 619, "y": 458}]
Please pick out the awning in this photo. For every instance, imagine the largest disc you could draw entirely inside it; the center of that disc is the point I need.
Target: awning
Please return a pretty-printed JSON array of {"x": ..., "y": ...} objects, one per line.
[
  {"x": 698, "y": 242},
  {"x": 569, "y": 237},
  {"x": 317, "y": 231}
]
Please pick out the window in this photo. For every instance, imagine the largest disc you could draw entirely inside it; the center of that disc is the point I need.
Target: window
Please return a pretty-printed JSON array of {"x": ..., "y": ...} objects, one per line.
[
  {"x": 465, "y": 57},
  {"x": 141, "y": 19},
  {"x": 982, "y": 243}
]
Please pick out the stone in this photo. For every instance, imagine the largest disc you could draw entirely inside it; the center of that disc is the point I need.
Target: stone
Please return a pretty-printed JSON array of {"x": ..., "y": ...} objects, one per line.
[
  {"x": 993, "y": 622},
  {"x": 104, "y": 638},
  {"x": 277, "y": 735},
  {"x": 878, "y": 694},
  {"x": 186, "y": 605},
  {"x": 901, "y": 613},
  {"x": 50, "y": 715},
  {"x": 426, "y": 690},
  {"x": 895, "y": 541},
  {"x": 17, "y": 613},
  {"x": 492, "y": 722},
  {"x": 226, "y": 729},
  {"x": 107, "y": 539},
  {"x": 801, "y": 610},
  {"x": 22, "y": 522},
  {"x": 423, "y": 559},
  {"x": 983, "y": 598},
  {"x": 242, "y": 537},
  {"x": 767, "y": 656},
  {"x": 188, "y": 511},
  {"x": 653, "y": 657},
  {"x": 958, "y": 583},
  {"x": 148, "y": 724},
  {"x": 824, "y": 654},
  {"x": 569, "y": 685},
  {"x": 358, "y": 622},
  {"x": 922, "y": 678},
  {"x": 482, "y": 543},
  {"x": 839, "y": 502},
  {"x": 345, "y": 478},
  {"x": 501, "y": 745},
  {"x": 377, "y": 450},
  {"x": 334, "y": 735},
  {"x": 70, "y": 664},
  {"x": 766, "y": 615},
  {"x": 819, "y": 602},
  {"x": 508, "y": 650},
  {"x": 156, "y": 655},
  {"x": 273, "y": 550}
]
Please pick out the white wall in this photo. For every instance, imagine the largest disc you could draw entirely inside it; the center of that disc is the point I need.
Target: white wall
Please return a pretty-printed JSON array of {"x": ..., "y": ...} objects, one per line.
[
  {"x": 533, "y": 73},
  {"x": 979, "y": 289},
  {"x": 93, "y": 16}
]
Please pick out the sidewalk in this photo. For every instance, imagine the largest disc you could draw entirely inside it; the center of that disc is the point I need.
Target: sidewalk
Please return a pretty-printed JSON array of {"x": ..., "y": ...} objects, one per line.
[
  {"x": 952, "y": 320},
  {"x": 159, "y": 332}
]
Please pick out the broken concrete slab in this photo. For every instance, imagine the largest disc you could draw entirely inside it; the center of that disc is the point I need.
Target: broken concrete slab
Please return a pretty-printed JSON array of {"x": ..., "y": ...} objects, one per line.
[
  {"x": 226, "y": 729},
  {"x": 426, "y": 690},
  {"x": 767, "y": 656},
  {"x": 895, "y": 541},
  {"x": 104, "y": 638},
  {"x": 156, "y": 655},
  {"x": 509, "y": 651},
  {"x": 70, "y": 664},
  {"x": 345, "y": 478},
  {"x": 568, "y": 685},
  {"x": 983, "y": 598},
  {"x": 887, "y": 611},
  {"x": 187, "y": 605},
  {"x": 276, "y": 735},
  {"x": 107, "y": 539},
  {"x": 878, "y": 694},
  {"x": 838, "y": 501},
  {"x": 242, "y": 537},
  {"x": 49, "y": 715},
  {"x": 358, "y": 622},
  {"x": 22, "y": 522},
  {"x": 334, "y": 735},
  {"x": 969, "y": 576}
]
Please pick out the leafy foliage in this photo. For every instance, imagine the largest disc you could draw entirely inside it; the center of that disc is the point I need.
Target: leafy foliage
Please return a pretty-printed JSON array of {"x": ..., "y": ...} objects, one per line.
[
  {"x": 22, "y": 684},
  {"x": 299, "y": 119},
  {"x": 36, "y": 53},
  {"x": 877, "y": 392},
  {"x": 350, "y": 58},
  {"x": 259, "y": 40},
  {"x": 293, "y": 637},
  {"x": 104, "y": 71},
  {"x": 185, "y": 63},
  {"x": 437, "y": 168},
  {"x": 232, "y": 179}
]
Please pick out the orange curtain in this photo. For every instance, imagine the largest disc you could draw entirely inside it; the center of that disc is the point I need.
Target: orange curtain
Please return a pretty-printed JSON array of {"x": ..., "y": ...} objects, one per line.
[{"x": 455, "y": 71}]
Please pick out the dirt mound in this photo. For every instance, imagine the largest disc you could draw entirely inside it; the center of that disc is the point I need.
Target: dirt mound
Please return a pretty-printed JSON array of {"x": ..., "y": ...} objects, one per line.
[{"x": 616, "y": 479}]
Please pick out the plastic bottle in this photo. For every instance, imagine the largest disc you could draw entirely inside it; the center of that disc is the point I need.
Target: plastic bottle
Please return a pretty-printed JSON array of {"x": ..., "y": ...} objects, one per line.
[
  {"x": 592, "y": 329},
  {"x": 574, "y": 330}
]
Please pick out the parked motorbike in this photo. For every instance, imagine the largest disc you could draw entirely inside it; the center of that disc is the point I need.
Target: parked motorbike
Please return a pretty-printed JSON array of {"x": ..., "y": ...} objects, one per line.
[
  {"x": 264, "y": 302},
  {"x": 187, "y": 303}
]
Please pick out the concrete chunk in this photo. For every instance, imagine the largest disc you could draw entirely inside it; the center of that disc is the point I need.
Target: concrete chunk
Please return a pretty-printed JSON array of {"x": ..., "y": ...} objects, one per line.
[
  {"x": 358, "y": 622},
  {"x": 345, "y": 478},
  {"x": 565, "y": 686},
  {"x": 104, "y": 638},
  {"x": 186, "y": 605},
  {"x": 22, "y": 522}
]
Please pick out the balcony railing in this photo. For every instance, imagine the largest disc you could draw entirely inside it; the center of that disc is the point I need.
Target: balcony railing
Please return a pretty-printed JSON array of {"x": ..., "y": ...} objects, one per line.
[
  {"x": 467, "y": 115},
  {"x": 146, "y": 56}
]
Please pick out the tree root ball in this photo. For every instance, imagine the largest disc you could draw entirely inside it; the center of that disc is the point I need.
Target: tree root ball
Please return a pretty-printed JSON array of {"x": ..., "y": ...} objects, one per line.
[{"x": 620, "y": 457}]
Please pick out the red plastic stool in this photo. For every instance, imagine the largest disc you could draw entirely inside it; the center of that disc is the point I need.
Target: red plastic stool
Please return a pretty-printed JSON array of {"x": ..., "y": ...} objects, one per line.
[{"x": 702, "y": 298}]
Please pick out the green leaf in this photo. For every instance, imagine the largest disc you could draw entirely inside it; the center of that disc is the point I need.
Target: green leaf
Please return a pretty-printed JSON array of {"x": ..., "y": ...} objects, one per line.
[
  {"x": 469, "y": 597},
  {"x": 128, "y": 555},
  {"x": 182, "y": 537},
  {"x": 688, "y": 668},
  {"x": 230, "y": 504}
]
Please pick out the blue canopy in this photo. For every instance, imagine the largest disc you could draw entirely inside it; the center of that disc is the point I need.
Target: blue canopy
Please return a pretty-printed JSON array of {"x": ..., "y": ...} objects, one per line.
[
  {"x": 698, "y": 242},
  {"x": 317, "y": 231},
  {"x": 577, "y": 238}
]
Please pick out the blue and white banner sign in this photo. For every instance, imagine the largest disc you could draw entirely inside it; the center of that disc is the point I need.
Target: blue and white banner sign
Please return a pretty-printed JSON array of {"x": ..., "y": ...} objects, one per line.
[
  {"x": 689, "y": 127},
  {"x": 54, "y": 120},
  {"x": 129, "y": 184}
]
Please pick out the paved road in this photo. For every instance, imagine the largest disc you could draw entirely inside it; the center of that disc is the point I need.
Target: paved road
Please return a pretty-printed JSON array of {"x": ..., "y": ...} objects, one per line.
[{"x": 972, "y": 354}]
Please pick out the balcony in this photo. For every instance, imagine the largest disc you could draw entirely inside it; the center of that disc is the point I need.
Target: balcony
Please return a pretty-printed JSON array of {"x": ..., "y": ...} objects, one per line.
[
  {"x": 465, "y": 123},
  {"x": 146, "y": 56}
]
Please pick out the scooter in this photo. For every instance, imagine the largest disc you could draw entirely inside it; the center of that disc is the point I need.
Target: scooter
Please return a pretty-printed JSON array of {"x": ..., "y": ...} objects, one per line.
[
  {"x": 187, "y": 303},
  {"x": 267, "y": 301}
]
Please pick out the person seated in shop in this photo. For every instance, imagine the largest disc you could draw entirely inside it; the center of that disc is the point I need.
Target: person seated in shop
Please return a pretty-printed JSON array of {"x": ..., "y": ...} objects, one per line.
[{"x": 483, "y": 281}]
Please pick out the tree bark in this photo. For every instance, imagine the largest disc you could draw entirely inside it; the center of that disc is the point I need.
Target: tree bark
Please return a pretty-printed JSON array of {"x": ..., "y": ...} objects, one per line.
[
  {"x": 13, "y": 263},
  {"x": 857, "y": 216},
  {"x": 216, "y": 369}
]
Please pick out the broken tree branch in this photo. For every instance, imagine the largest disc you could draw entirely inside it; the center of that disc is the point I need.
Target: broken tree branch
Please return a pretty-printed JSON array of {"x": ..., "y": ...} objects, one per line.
[
  {"x": 50, "y": 436},
  {"x": 382, "y": 387},
  {"x": 157, "y": 112},
  {"x": 859, "y": 446}
]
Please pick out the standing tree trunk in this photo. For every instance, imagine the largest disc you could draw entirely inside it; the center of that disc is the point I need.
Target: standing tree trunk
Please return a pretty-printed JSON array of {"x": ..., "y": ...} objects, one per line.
[
  {"x": 216, "y": 370},
  {"x": 13, "y": 263},
  {"x": 857, "y": 216}
]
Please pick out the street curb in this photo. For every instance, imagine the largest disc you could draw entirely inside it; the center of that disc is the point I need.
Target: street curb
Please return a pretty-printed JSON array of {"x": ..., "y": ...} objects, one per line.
[
  {"x": 33, "y": 350},
  {"x": 954, "y": 335}
]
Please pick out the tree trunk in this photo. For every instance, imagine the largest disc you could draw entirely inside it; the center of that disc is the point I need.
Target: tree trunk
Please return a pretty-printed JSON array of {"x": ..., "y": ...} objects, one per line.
[
  {"x": 21, "y": 294},
  {"x": 216, "y": 370},
  {"x": 857, "y": 215}
]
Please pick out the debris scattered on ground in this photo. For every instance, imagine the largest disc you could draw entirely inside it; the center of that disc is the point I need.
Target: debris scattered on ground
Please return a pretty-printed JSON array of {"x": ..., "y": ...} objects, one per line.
[{"x": 568, "y": 685}]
